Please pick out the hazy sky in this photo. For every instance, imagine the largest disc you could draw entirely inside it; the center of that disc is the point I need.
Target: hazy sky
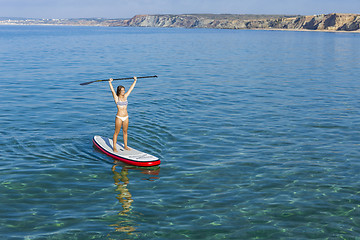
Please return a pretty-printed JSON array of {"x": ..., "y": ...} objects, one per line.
[{"x": 129, "y": 8}]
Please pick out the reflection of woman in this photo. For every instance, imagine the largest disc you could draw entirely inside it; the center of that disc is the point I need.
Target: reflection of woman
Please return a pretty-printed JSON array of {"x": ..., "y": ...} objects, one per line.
[
  {"x": 124, "y": 197},
  {"x": 122, "y": 117},
  {"x": 121, "y": 181}
]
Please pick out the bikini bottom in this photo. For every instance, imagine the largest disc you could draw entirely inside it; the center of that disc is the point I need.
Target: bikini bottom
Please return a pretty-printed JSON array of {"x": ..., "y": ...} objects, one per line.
[{"x": 122, "y": 118}]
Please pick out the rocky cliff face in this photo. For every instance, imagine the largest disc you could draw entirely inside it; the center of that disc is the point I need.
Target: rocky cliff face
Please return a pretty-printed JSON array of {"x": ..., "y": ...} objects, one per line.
[{"x": 331, "y": 22}]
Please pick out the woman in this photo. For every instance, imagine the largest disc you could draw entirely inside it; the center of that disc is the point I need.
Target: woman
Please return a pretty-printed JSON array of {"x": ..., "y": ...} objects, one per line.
[{"x": 122, "y": 117}]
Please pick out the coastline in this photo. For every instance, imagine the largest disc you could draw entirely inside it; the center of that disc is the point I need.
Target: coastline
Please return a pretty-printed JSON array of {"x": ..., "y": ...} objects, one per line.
[
  {"x": 254, "y": 29},
  {"x": 303, "y": 30},
  {"x": 334, "y": 22}
]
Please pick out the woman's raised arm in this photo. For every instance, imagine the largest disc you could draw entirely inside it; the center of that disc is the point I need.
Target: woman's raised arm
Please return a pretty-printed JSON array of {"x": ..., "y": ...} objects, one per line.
[
  {"x": 131, "y": 87},
  {"x": 112, "y": 90}
]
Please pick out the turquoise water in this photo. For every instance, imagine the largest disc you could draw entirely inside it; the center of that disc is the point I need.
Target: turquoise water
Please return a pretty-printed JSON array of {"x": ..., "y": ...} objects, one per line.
[{"x": 258, "y": 133}]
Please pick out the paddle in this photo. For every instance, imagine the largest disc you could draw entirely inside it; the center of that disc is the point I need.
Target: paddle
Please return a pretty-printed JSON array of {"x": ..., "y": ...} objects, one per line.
[{"x": 86, "y": 83}]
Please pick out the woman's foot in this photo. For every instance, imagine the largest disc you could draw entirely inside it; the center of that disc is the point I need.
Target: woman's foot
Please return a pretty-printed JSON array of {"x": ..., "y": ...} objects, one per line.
[
  {"x": 126, "y": 148},
  {"x": 115, "y": 150}
]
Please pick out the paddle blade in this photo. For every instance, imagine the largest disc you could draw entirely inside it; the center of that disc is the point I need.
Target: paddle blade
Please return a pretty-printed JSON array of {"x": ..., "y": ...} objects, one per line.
[{"x": 86, "y": 83}]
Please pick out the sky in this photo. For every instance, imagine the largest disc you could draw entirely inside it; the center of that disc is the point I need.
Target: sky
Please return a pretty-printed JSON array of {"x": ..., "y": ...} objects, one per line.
[{"x": 129, "y": 8}]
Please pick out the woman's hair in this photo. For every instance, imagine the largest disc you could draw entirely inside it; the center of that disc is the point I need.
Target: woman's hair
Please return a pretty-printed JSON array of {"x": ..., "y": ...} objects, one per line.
[{"x": 119, "y": 89}]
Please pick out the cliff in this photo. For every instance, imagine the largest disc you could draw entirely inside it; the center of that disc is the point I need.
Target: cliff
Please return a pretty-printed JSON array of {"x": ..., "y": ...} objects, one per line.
[
  {"x": 329, "y": 22},
  {"x": 326, "y": 22}
]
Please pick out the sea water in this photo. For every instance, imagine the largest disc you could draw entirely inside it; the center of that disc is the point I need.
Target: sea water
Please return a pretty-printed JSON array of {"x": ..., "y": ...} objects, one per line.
[{"x": 258, "y": 133}]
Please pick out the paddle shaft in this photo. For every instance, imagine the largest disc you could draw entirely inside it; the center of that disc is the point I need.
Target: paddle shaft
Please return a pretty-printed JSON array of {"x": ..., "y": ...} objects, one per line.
[{"x": 86, "y": 83}]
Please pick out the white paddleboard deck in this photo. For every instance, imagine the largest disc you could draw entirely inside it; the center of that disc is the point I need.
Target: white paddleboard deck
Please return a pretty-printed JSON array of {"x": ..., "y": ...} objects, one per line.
[{"x": 132, "y": 156}]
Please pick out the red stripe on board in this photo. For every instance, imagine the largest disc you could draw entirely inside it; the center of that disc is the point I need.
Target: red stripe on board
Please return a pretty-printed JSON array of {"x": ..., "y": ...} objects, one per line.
[{"x": 128, "y": 161}]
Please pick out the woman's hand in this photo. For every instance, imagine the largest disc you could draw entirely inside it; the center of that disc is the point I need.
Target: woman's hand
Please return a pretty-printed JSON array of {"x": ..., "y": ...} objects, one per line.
[
  {"x": 110, "y": 79},
  {"x": 135, "y": 79}
]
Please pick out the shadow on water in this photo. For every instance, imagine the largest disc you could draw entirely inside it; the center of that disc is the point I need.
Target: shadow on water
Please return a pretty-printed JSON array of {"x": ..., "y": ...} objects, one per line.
[{"x": 121, "y": 180}]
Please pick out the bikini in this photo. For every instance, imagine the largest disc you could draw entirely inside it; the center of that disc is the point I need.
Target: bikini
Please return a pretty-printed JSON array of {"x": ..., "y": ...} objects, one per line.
[{"x": 122, "y": 104}]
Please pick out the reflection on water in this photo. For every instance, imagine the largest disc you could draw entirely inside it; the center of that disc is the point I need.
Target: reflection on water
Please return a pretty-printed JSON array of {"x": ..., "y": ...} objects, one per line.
[
  {"x": 147, "y": 171},
  {"x": 124, "y": 196},
  {"x": 121, "y": 181}
]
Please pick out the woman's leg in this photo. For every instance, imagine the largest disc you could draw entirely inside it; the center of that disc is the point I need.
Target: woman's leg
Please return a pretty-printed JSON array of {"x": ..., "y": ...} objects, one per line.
[
  {"x": 118, "y": 124},
  {"x": 125, "y": 128}
]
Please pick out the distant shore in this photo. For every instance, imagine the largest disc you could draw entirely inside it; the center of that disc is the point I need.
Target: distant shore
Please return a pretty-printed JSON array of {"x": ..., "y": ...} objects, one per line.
[{"x": 334, "y": 22}]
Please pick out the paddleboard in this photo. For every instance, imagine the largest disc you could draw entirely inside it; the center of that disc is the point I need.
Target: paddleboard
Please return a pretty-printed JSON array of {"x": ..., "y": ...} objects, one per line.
[{"x": 132, "y": 156}]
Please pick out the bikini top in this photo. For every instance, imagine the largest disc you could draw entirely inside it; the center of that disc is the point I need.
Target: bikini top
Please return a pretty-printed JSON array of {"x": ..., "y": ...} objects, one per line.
[{"x": 120, "y": 103}]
